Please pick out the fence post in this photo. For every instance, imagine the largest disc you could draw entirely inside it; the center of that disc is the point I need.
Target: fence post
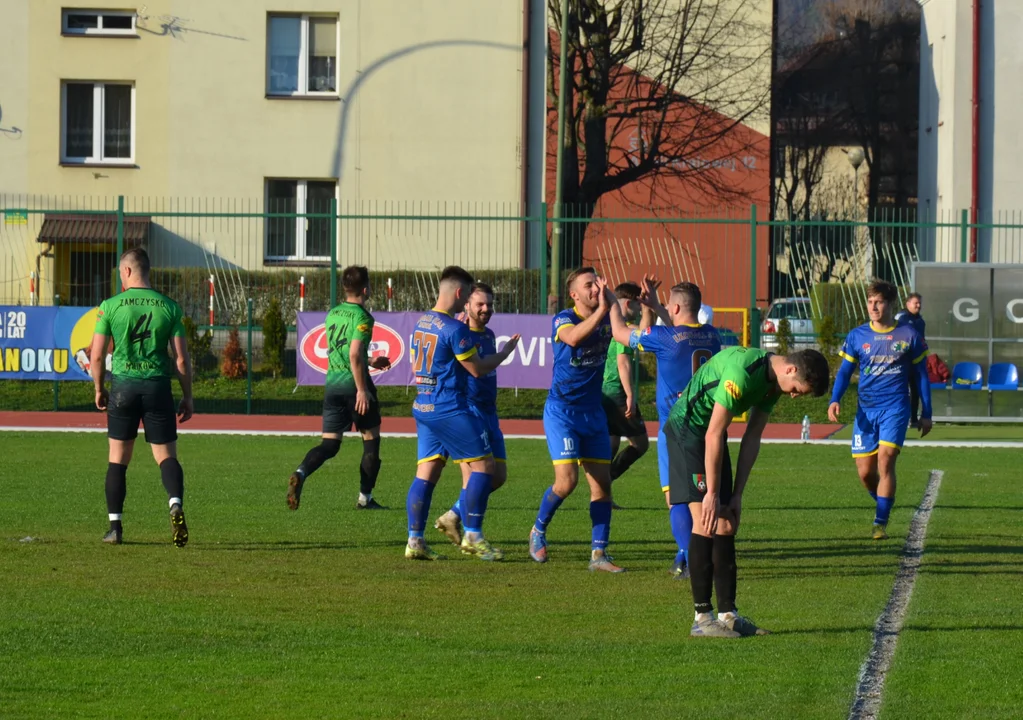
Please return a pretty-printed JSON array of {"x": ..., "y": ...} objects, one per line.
[
  {"x": 248, "y": 366},
  {"x": 56, "y": 383},
  {"x": 120, "y": 237},
  {"x": 333, "y": 252},
  {"x": 542, "y": 234},
  {"x": 754, "y": 316},
  {"x": 964, "y": 236}
]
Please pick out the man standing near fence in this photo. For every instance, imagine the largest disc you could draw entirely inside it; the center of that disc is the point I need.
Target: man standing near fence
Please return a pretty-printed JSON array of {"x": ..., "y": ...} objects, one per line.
[
  {"x": 482, "y": 393},
  {"x": 142, "y": 323},
  {"x": 349, "y": 398},
  {"x": 890, "y": 359},
  {"x": 573, "y": 417},
  {"x": 911, "y": 316},
  {"x": 620, "y": 391}
]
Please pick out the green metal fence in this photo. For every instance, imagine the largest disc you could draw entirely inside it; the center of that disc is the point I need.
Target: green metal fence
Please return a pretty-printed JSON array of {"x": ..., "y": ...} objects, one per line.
[{"x": 215, "y": 255}]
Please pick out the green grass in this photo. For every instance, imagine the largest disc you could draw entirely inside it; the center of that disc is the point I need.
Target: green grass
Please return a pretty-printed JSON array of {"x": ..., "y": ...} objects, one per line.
[
  {"x": 943, "y": 431},
  {"x": 282, "y": 397},
  {"x": 269, "y": 613}
]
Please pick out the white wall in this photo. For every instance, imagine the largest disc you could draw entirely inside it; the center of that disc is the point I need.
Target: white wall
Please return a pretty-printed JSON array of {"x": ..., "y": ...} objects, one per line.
[{"x": 946, "y": 124}]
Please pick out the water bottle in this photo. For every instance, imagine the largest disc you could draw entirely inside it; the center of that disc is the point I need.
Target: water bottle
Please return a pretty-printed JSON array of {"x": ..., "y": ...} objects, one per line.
[{"x": 805, "y": 434}]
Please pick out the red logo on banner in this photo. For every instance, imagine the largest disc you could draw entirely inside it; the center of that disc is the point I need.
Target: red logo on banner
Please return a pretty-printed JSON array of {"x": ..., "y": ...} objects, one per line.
[{"x": 385, "y": 343}]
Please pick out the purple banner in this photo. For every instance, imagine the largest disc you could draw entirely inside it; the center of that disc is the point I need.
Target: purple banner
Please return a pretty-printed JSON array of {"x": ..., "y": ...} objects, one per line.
[{"x": 528, "y": 367}]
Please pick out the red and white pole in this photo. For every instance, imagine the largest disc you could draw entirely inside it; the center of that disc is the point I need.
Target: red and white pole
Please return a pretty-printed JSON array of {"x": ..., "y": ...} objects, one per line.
[
  {"x": 211, "y": 302},
  {"x": 301, "y": 294},
  {"x": 390, "y": 296},
  {"x": 32, "y": 288}
]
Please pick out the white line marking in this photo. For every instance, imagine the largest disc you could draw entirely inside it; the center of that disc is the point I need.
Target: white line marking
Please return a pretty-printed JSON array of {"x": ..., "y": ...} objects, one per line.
[
  {"x": 990, "y": 444},
  {"x": 870, "y": 689}
]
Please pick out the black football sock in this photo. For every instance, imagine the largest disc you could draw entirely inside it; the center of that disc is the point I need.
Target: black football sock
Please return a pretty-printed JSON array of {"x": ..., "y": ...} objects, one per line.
[
  {"x": 623, "y": 461},
  {"x": 117, "y": 490},
  {"x": 317, "y": 456},
  {"x": 701, "y": 571},
  {"x": 369, "y": 468},
  {"x": 725, "y": 572},
  {"x": 173, "y": 478}
]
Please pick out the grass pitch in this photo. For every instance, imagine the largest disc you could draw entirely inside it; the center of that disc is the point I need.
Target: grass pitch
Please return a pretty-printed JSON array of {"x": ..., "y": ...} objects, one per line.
[{"x": 269, "y": 613}]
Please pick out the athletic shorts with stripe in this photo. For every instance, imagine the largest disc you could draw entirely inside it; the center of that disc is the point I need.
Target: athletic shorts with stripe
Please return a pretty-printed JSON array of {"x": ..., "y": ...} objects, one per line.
[
  {"x": 687, "y": 453},
  {"x": 576, "y": 435},
  {"x": 461, "y": 437}
]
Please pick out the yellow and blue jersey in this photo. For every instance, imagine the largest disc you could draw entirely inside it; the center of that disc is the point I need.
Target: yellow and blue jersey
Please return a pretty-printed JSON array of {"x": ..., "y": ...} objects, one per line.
[
  {"x": 578, "y": 372},
  {"x": 680, "y": 352},
  {"x": 483, "y": 390},
  {"x": 439, "y": 343},
  {"x": 886, "y": 357}
]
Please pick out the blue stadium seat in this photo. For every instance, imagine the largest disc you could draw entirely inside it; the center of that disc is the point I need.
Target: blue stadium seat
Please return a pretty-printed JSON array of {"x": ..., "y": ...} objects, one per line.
[
  {"x": 967, "y": 376},
  {"x": 1003, "y": 376}
]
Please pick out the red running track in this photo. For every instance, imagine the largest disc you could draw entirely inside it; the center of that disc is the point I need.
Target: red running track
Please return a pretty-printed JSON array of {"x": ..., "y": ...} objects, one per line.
[{"x": 311, "y": 424}]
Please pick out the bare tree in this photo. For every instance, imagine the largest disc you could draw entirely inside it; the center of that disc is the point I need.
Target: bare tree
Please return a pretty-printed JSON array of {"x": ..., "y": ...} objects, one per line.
[{"x": 659, "y": 91}]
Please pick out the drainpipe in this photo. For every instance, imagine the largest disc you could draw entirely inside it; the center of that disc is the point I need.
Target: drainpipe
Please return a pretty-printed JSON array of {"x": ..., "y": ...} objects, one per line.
[
  {"x": 975, "y": 140},
  {"x": 524, "y": 208}
]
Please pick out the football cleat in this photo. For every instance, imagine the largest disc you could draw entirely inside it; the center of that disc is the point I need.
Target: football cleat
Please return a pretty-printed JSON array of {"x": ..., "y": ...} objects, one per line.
[
  {"x": 601, "y": 561},
  {"x": 370, "y": 504},
  {"x": 482, "y": 549},
  {"x": 709, "y": 627},
  {"x": 451, "y": 525},
  {"x": 537, "y": 545},
  {"x": 113, "y": 537},
  {"x": 179, "y": 531},
  {"x": 880, "y": 531},
  {"x": 295, "y": 483},
  {"x": 744, "y": 626},
  {"x": 421, "y": 551},
  {"x": 679, "y": 569}
]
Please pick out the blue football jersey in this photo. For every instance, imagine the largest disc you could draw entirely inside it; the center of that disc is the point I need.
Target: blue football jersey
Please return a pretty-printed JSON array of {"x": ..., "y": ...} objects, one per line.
[
  {"x": 680, "y": 351},
  {"x": 483, "y": 390},
  {"x": 578, "y": 372},
  {"x": 905, "y": 317},
  {"x": 887, "y": 359},
  {"x": 438, "y": 343}
]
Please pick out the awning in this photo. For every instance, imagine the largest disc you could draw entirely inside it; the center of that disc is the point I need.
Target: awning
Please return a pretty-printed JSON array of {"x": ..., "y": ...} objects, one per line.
[{"x": 97, "y": 229}]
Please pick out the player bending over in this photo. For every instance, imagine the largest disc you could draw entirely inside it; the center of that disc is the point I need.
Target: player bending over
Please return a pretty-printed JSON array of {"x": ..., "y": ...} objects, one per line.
[
  {"x": 482, "y": 392},
  {"x": 890, "y": 359},
  {"x": 349, "y": 398},
  {"x": 444, "y": 355},
  {"x": 620, "y": 398},
  {"x": 142, "y": 323},
  {"x": 734, "y": 381},
  {"x": 573, "y": 418}
]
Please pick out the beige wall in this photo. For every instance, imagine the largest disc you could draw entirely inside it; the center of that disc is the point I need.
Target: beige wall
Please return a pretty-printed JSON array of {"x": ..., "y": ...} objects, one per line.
[{"x": 430, "y": 110}]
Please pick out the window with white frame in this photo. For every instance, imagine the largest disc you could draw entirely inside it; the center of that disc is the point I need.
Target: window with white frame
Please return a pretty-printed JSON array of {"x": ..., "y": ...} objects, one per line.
[
  {"x": 76, "y": 21},
  {"x": 298, "y": 238},
  {"x": 301, "y": 55},
  {"x": 97, "y": 122}
]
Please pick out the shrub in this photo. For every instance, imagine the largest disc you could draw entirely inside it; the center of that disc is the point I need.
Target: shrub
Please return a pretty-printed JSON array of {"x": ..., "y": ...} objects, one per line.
[
  {"x": 785, "y": 338},
  {"x": 844, "y": 303},
  {"x": 275, "y": 338},
  {"x": 827, "y": 338},
  {"x": 234, "y": 365},
  {"x": 199, "y": 346}
]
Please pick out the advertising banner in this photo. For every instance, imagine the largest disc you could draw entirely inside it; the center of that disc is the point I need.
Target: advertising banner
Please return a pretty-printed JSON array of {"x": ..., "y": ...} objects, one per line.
[
  {"x": 528, "y": 367},
  {"x": 46, "y": 343}
]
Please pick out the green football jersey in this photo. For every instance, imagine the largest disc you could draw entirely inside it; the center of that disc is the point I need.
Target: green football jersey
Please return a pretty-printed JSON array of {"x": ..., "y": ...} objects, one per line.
[
  {"x": 141, "y": 322},
  {"x": 736, "y": 378},
  {"x": 612, "y": 379},
  {"x": 345, "y": 323}
]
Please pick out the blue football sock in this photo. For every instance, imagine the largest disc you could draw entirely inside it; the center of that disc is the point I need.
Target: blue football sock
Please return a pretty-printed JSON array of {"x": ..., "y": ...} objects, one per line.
[
  {"x": 477, "y": 492},
  {"x": 600, "y": 516},
  {"x": 873, "y": 496},
  {"x": 548, "y": 506},
  {"x": 681, "y": 527},
  {"x": 884, "y": 509},
  {"x": 459, "y": 504},
  {"x": 417, "y": 505}
]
